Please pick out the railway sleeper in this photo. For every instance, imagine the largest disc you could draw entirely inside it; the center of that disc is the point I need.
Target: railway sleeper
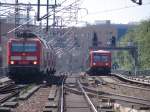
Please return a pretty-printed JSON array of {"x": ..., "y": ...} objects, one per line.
[
  {"x": 144, "y": 108},
  {"x": 5, "y": 109},
  {"x": 52, "y": 93},
  {"x": 51, "y": 104},
  {"x": 29, "y": 93},
  {"x": 10, "y": 104},
  {"x": 73, "y": 90},
  {"x": 49, "y": 110},
  {"x": 84, "y": 82}
]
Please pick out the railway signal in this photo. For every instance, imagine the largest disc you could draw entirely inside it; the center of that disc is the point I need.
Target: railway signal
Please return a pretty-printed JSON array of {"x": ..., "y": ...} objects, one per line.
[
  {"x": 113, "y": 41},
  {"x": 95, "y": 39}
]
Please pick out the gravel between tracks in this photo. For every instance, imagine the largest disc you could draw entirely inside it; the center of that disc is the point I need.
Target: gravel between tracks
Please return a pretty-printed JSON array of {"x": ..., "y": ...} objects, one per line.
[{"x": 35, "y": 103}]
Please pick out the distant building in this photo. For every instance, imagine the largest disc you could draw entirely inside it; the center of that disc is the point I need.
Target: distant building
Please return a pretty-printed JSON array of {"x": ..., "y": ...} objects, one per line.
[
  {"x": 100, "y": 22},
  {"x": 122, "y": 29}
]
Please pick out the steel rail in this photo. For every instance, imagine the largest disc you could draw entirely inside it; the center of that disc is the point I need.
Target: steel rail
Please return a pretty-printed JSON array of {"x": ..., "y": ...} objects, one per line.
[
  {"x": 87, "y": 98},
  {"x": 124, "y": 85},
  {"x": 62, "y": 96},
  {"x": 130, "y": 80},
  {"x": 120, "y": 97}
]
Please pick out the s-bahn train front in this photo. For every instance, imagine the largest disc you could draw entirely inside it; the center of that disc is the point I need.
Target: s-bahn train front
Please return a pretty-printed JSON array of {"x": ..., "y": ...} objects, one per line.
[{"x": 100, "y": 62}]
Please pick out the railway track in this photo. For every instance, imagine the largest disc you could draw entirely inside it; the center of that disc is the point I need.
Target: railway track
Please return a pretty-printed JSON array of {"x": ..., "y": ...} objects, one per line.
[
  {"x": 78, "y": 93},
  {"x": 8, "y": 89},
  {"x": 33, "y": 99},
  {"x": 75, "y": 97},
  {"x": 110, "y": 88},
  {"x": 29, "y": 97},
  {"x": 132, "y": 79},
  {"x": 124, "y": 88}
]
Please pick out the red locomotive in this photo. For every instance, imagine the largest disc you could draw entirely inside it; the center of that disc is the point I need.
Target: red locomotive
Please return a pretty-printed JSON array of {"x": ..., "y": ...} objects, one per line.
[
  {"x": 30, "y": 57},
  {"x": 99, "y": 62}
]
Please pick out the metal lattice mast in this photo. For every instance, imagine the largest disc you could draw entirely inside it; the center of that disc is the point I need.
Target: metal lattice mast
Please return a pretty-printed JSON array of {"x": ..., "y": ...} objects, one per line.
[{"x": 16, "y": 14}]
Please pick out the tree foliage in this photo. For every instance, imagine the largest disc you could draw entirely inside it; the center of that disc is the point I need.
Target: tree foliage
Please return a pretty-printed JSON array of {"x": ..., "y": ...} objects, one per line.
[{"x": 140, "y": 36}]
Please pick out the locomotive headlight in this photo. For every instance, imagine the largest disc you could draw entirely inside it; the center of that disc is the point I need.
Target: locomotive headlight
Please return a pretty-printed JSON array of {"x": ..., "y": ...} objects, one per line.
[
  {"x": 34, "y": 62},
  {"x": 12, "y": 62},
  {"x": 106, "y": 64},
  {"x": 94, "y": 63}
]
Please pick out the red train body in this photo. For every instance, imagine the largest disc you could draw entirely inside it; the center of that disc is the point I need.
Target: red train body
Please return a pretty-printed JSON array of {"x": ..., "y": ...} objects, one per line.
[
  {"x": 30, "y": 58},
  {"x": 100, "y": 62}
]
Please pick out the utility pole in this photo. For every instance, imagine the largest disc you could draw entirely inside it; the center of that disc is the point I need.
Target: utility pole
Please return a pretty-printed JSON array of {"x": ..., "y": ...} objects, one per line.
[
  {"x": 16, "y": 14},
  {"x": 28, "y": 14},
  {"x": 38, "y": 10},
  {"x": 54, "y": 16},
  {"x": 52, "y": 6},
  {"x": 47, "y": 17}
]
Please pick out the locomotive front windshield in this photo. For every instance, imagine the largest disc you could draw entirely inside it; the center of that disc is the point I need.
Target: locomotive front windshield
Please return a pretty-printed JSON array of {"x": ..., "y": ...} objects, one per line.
[
  {"x": 100, "y": 58},
  {"x": 23, "y": 47}
]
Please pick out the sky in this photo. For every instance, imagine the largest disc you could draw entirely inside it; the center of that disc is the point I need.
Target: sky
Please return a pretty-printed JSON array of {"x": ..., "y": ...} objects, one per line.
[{"x": 118, "y": 11}]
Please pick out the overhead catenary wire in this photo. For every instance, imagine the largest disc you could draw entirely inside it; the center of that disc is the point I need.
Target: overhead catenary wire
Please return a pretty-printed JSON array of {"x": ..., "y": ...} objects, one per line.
[
  {"x": 70, "y": 12},
  {"x": 4, "y": 14},
  {"x": 6, "y": 8},
  {"x": 64, "y": 8},
  {"x": 63, "y": 2},
  {"x": 117, "y": 9},
  {"x": 12, "y": 30},
  {"x": 72, "y": 6},
  {"x": 48, "y": 15},
  {"x": 10, "y": 12}
]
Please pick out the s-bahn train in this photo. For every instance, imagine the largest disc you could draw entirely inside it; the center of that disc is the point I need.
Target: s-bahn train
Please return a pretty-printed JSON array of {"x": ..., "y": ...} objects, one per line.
[
  {"x": 99, "y": 62},
  {"x": 30, "y": 58}
]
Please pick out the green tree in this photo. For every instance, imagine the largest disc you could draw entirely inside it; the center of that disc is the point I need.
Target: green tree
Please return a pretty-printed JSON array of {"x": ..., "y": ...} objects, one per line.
[{"x": 140, "y": 36}]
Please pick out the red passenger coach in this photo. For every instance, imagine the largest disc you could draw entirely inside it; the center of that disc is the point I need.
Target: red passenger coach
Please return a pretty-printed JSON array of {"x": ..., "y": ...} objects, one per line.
[
  {"x": 30, "y": 58},
  {"x": 100, "y": 62}
]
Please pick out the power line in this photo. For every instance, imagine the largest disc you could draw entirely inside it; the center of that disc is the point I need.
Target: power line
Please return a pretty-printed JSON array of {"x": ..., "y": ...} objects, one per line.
[
  {"x": 117, "y": 9},
  {"x": 63, "y": 2},
  {"x": 23, "y": 4},
  {"x": 49, "y": 14},
  {"x": 12, "y": 30},
  {"x": 6, "y": 9}
]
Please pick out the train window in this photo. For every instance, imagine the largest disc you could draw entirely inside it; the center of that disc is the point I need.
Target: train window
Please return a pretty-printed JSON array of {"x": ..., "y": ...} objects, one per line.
[
  {"x": 100, "y": 58},
  {"x": 16, "y": 47},
  {"x": 30, "y": 47},
  {"x": 20, "y": 47}
]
